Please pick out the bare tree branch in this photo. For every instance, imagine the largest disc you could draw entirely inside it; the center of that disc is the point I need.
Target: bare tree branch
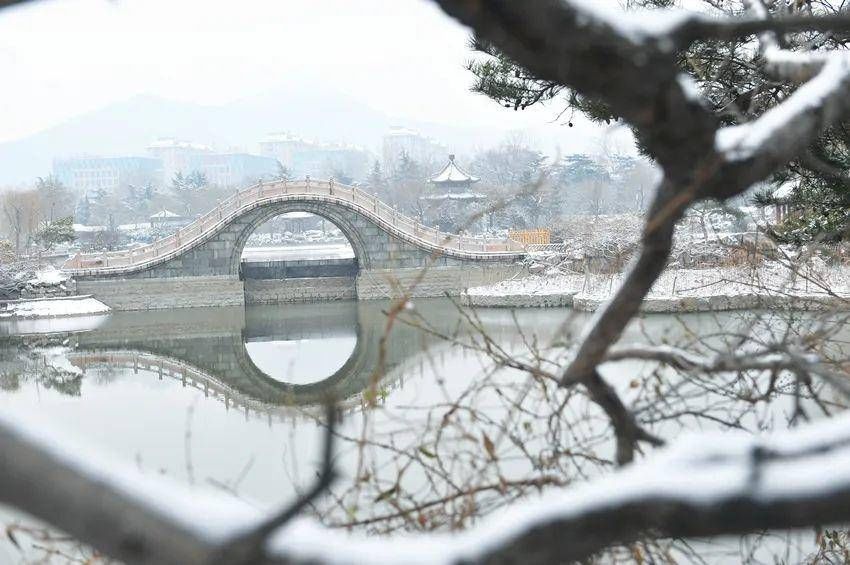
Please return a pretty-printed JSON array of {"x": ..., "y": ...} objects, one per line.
[{"x": 702, "y": 486}]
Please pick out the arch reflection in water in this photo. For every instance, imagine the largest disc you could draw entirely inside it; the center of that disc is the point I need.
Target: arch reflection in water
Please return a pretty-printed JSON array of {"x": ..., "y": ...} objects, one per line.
[
  {"x": 301, "y": 361},
  {"x": 303, "y": 344},
  {"x": 233, "y": 354}
]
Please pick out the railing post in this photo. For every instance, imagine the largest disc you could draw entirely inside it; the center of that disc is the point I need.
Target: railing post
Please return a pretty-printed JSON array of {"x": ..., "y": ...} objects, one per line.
[
  {"x": 331, "y": 186},
  {"x": 285, "y": 187},
  {"x": 307, "y": 183},
  {"x": 259, "y": 188}
]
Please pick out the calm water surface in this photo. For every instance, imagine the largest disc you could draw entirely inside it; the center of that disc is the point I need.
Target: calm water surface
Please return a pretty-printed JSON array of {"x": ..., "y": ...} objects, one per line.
[{"x": 229, "y": 398}]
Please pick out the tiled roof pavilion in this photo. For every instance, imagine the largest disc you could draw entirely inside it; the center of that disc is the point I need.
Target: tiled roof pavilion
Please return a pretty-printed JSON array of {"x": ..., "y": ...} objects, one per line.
[{"x": 452, "y": 176}]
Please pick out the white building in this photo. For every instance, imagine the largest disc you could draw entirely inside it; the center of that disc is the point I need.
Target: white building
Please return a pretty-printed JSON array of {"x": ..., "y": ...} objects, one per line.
[
  {"x": 320, "y": 160},
  {"x": 106, "y": 174},
  {"x": 233, "y": 169},
  {"x": 176, "y": 155},
  {"x": 283, "y": 146},
  {"x": 423, "y": 150}
]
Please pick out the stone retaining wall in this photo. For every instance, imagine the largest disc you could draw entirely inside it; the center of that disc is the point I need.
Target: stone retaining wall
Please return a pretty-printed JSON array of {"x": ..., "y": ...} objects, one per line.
[
  {"x": 436, "y": 281},
  {"x": 721, "y": 303},
  {"x": 197, "y": 291},
  {"x": 561, "y": 300},
  {"x": 663, "y": 305},
  {"x": 276, "y": 291},
  {"x": 154, "y": 294},
  {"x": 65, "y": 288}
]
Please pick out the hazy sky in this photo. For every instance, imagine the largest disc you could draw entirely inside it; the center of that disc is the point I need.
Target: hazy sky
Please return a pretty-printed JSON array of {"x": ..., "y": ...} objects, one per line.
[{"x": 60, "y": 58}]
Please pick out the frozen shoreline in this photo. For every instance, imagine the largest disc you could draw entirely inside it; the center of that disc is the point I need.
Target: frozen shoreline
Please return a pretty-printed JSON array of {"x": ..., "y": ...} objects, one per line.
[
  {"x": 52, "y": 308},
  {"x": 678, "y": 290}
]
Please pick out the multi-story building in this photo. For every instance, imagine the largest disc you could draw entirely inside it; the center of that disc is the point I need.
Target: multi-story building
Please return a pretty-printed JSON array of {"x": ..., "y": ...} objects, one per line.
[
  {"x": 175, "y": 155},
  {"x": 96, "y": 174},
  {"x": 423, "y": 150},
  {"x": 232, "y": 169},
  {"x": 319, "y": 160},
  {"x": 284, "y": 147}
]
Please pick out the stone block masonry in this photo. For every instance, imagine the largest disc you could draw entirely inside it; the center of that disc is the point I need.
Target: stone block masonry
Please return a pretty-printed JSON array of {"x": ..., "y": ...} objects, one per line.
[
  {"x": 206, "y": 272},
  {"x": 277, "y": 291},
  {"x": 191, "y": 292},
  {"x": 436, "y": 280},
  {"x": 163, "y": 293}
]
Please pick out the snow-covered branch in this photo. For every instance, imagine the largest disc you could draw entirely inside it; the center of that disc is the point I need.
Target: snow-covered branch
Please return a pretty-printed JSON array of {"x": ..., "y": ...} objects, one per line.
[
  {"x": 599, "y": 54},
  {"x": 788, "y": 128},
  {"x": 707, "y": 484}
]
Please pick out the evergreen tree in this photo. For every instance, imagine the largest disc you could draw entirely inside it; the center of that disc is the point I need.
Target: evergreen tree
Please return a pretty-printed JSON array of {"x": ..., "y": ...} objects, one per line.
[
  {"x": 82, "y": 213},
  {"x": 408, "y": 170},
  {"x": 407, "y": 184},
  {"x": 196, "y": 180},
  {"x": 283, "y": 172},
  {"x": 342, "y": 177},
  {"x": 178, "y": 182},
  {"x": 56, "y": 199},
  {"x": 375, "y": 180},
  {"x": 56, "y": 232},
  {"x": 729, "y": 76}
]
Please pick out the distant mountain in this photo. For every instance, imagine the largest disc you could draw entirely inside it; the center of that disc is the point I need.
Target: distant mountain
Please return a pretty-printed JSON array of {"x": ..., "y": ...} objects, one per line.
[{"x": 127, "y": 127}]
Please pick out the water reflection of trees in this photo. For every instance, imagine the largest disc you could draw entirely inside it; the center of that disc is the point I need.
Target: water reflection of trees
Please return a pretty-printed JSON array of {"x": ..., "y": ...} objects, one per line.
[
  {"x": 512, "y": 432},
  {"x": 33, "y": 361},
  {"x": 499, "y": 428}
]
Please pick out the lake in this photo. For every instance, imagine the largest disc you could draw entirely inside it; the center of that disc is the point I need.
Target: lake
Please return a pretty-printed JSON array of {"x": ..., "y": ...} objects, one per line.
[{"x": 435, "y": 429}]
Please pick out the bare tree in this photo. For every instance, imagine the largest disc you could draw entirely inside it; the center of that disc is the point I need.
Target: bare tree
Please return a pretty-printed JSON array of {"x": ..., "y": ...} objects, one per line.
[{"x": 22, "y": 211}]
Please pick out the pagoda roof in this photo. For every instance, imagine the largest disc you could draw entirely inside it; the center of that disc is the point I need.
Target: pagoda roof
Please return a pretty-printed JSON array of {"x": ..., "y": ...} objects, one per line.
[
  {"x": 163, "y": 214},
  {"x": 452, "y": 174}
]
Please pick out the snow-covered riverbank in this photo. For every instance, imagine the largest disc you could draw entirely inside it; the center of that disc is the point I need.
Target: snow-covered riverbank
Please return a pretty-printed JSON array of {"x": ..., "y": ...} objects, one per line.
[
  {"x": 52, "y": 307},
  {"x": 772, "y": 285}
]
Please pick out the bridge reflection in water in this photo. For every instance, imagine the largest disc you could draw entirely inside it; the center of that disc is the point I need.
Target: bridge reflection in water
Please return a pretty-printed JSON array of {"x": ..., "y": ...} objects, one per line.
[{"x": 211, "y": 350}]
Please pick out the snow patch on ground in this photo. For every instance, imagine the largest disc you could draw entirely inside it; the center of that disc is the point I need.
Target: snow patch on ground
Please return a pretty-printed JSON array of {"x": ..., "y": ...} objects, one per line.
[
  {"x": 771, "y": 279},
  {"x": 49, "y": 276},
  {"x": 54, "y": 307}
]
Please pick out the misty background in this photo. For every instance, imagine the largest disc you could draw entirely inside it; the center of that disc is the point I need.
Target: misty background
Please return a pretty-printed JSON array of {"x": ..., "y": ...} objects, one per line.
[{"x": 130, "y": 72}]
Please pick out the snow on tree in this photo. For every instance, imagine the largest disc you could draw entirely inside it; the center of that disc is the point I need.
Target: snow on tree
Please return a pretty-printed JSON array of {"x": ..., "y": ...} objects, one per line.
[{"x": 701, "y": 485}]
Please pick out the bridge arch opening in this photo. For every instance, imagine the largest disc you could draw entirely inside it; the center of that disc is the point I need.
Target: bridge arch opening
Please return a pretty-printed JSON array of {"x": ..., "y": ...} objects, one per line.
[
  {"x": 297, "y": 255},
  {"x": 301, "y": 344}
]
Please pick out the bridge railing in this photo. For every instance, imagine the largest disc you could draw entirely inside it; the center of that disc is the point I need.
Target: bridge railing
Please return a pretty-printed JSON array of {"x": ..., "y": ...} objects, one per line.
[{"x": 239, "y": 202}]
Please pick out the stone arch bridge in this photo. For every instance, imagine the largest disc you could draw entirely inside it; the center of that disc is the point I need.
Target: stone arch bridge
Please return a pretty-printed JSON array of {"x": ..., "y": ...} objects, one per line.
[{"x": 199, "y": 264}]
